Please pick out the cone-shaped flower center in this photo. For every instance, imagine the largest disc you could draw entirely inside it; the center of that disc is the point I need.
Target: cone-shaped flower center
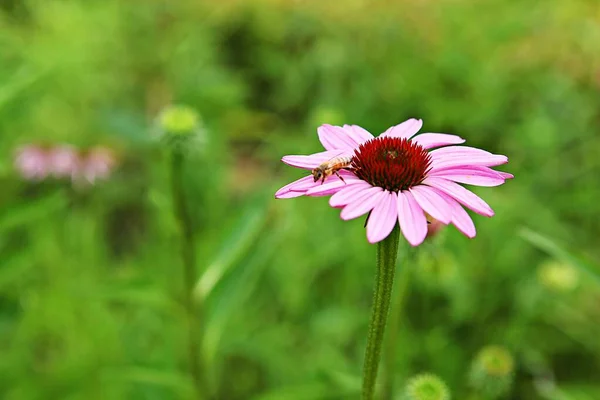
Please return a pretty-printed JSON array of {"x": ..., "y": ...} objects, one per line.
[{"x": 391, "y": 163}]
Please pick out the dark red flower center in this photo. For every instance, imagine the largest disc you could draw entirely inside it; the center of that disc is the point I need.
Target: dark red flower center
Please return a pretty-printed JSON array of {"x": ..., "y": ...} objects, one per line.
[{"x": 391, "y": 163}]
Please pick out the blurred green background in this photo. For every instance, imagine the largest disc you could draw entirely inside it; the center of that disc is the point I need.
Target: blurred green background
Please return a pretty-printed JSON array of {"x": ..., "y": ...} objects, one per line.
[{"x": 91, "y": 276}]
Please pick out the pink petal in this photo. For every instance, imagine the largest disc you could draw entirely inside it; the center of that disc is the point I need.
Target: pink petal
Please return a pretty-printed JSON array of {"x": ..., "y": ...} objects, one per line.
[
  {"x": 332, "y": 185},
  {"x": 348, "y": 194},
  {"x": 335, "y": 137},
  {"x": 432, "y": 203},
  {"x": 33, "y": 162},
  {"x": 455, "y": 156},
  {"x": 313, "y": 160},
  {"x": 288, "y": 195},
  {"x": 383, "y": 218},
  {"x": 358, "y": 134},
  {"x": 471, "y": 175},
  {"x": 430, "y": 140},
  {"x": 460, "y": 218},
  {"x": 462, "y": 195},
  {"x": 298, "y": 186},
  {"x": 459, "y": 151},
  {"x": 463, "y": 221},
  {"x": 506, "y": 175},
  {"x": 64, "y": 161},
  {"x": 412, "y": 218},
  {"x": 303, "y": 185},
  {"x": 362, "y": 204},
  {"x": 405, "y": 130},
  {"x": 484, "y": 161}
]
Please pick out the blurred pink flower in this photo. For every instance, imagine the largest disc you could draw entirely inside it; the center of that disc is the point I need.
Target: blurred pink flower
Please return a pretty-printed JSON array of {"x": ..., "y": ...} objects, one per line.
[
  {"x": 397, "y": 179},
  {"x": 32, "y": 162},
  {"x": 63, "y": 161},
  {"x": 434, "y": 227},
  {"x": 96, "y": 164}
]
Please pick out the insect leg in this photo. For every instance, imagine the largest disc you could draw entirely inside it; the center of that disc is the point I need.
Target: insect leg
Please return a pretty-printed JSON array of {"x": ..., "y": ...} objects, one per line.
[{"x": 339, "y": 176}]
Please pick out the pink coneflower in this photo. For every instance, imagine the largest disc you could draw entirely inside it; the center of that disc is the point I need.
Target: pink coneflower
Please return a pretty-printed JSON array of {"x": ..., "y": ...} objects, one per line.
[
  {"x": 63, "y": 161},
  {"x": 96, "y": 164},
  {"x": 32, "y": 162},
  {"x": 398, "y": 179}
]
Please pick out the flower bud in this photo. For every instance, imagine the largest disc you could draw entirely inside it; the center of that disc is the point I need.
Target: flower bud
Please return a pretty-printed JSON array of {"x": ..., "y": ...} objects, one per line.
[
  {"x": 492, "y": 372},
  {"x": 180, "y": 127},
  {"x": 426, "y": 387},
  {"x": 179, "y": 120}
]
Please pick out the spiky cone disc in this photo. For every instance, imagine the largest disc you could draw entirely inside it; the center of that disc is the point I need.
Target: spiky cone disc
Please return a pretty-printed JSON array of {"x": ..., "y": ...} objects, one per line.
[
  {"x": 425, "y": 387},
  {"x": 492, "y": 372},
  {"x": 180, "y": 127}
]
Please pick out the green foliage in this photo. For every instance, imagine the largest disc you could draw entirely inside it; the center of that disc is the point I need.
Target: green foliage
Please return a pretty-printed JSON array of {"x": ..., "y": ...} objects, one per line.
[{"x": 90, "y": 276}]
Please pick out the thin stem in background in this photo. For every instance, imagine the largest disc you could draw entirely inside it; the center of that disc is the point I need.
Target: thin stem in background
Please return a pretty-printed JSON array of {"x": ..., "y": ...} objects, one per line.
[
  {"x": 397, "y": 314},
  {"x": 188, "y": 256},
  {"x": 387, "y": 251}
]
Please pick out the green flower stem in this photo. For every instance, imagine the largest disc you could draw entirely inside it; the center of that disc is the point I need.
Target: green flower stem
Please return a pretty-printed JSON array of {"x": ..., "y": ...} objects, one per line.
[
  {"x": 188, "y": 256},
  {"x": 387, "y": 251},
  {"x": 391, "y": 341}
]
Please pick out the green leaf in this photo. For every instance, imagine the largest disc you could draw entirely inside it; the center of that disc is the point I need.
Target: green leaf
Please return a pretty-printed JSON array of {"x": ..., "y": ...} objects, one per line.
[
  {"x": 244, "y": 235},
  {"x": 548, "y": 245},
  {"x": 239, "y": 286}
]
